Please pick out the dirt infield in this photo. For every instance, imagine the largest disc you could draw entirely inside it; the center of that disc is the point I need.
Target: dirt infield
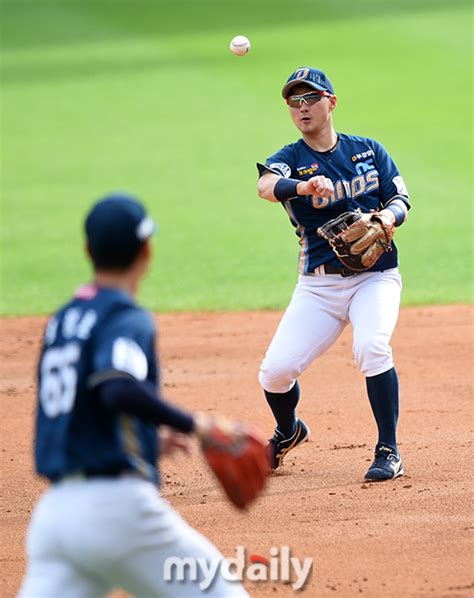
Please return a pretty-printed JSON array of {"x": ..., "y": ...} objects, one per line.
[{"x": 410, "y": 537}]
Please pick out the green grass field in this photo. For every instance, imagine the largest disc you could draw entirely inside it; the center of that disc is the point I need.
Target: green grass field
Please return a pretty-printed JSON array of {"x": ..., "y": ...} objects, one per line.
[{"x": 145, "y": 96}]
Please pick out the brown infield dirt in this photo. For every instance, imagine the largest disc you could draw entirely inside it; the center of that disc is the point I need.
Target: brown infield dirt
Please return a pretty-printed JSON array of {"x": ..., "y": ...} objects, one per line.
[{"x": 409, "y": 537}]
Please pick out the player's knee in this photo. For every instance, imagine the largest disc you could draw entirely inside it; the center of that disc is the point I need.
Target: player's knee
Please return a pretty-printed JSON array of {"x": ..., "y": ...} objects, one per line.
[
  {"x": 373, "y": 356},
  {"x": 277, "y": 377}
]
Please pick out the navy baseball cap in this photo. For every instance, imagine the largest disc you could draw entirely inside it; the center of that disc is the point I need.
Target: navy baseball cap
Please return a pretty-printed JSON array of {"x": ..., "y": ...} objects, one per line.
[
  {"x": 116, "y": 227},
  {"x": 309, "y": 76}
]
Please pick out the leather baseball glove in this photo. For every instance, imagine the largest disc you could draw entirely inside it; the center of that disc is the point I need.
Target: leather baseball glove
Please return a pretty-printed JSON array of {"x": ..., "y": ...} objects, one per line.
[
  {"x": 237, "y": 455},
  {"x": 358, "y": 239}
]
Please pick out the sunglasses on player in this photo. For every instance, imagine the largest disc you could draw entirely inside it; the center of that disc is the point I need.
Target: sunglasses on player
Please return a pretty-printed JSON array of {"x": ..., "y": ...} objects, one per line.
[{"x": 308, "y": 98}]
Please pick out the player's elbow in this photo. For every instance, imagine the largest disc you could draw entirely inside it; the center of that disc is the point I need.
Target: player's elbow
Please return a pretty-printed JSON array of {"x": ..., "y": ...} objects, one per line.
[
  {"x": 261, "y": 188},
  {"x": 265, "y": 189}
]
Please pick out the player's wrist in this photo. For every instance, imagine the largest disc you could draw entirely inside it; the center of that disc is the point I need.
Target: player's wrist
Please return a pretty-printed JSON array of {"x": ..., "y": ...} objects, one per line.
[
  {"x": 286, "y": 189},
  {"x": 396, "y": 213},
  {"x": 202, "y": 425},
  {"x": 300, "y": 188},
  {"x": 207, "y": 426}
]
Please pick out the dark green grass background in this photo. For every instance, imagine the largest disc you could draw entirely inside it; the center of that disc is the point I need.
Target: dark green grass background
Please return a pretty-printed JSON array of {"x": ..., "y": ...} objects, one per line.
[{"x": 145, "y": 96}]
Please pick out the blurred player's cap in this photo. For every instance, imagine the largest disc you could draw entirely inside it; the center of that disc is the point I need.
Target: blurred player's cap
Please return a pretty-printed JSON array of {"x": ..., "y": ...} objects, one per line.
[
  {"x": 116, "y": 227},
  {"x": 309, "y": 76}
]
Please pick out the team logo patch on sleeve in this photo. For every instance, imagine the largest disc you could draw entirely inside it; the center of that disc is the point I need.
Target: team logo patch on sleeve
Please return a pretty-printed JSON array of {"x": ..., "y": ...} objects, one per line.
[
  {"x": 127, "y": 356},
  {"x": 400, "y": 185},
  {"x": 282, "y": 168}
]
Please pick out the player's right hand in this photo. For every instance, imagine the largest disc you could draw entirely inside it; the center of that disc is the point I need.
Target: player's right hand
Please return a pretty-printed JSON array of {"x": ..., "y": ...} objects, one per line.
[
  {"x": 173, "y": 442},
  {"x": 320, "y": 186}
]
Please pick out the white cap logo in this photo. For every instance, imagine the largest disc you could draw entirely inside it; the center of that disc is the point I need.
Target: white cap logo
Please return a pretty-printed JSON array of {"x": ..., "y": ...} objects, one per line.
[{"x": 145, "y": 229}]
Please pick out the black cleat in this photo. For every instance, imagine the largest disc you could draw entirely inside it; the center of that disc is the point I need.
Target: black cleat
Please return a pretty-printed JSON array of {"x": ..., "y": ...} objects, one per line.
[
  {"x": 279, "y": 446},
  {"x": 387, "y": 465}
]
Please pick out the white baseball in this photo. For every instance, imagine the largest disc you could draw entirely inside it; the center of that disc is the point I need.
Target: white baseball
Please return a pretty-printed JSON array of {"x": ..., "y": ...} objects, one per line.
[{"x": 240, "y": 45}]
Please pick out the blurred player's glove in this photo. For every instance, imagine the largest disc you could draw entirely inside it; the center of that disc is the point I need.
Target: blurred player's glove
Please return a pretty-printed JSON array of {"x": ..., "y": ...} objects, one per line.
[
  {"x": 358, "y": 239},
  {"x": 238, "y": 457}
]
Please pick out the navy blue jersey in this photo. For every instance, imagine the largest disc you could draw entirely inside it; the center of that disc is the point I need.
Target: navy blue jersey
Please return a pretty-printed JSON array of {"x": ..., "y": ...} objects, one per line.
[
  {"x": 364, "y": 177},
  {"x": 100, "y": 334}
]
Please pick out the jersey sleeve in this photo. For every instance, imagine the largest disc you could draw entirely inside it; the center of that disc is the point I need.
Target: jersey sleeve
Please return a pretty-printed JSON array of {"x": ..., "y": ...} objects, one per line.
[
  {"x": 390, "y": 180},
  {"x": 282, "y": 163},
  {"x": 124, "y": 347}
]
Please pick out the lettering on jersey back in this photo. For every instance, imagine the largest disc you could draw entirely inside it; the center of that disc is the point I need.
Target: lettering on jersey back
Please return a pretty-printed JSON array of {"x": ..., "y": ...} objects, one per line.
[
  {"x": 86, "y": 324},
  {"x": 51, "y": 332},
  {"x": 70, "y": 322},
  {"x": 76, "y": 324}
]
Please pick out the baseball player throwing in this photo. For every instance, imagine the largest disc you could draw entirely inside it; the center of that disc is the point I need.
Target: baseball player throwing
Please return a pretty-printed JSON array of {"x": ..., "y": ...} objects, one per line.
[
  {"x": 103, "y": 524},
  {"x": 346, "y": 273}
]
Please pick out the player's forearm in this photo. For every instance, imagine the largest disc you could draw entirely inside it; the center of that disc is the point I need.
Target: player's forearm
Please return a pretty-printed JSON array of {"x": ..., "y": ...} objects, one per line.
[{"x": 136, "y": 398}]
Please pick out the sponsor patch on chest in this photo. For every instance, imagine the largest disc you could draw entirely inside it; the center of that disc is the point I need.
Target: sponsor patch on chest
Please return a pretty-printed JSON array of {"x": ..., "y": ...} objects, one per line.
[
  {"x": 305, "y": 170},
  {"x": 362, "y": 155}
]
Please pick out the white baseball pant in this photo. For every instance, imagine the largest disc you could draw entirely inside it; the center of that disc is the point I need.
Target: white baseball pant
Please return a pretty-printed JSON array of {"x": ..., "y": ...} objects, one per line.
[
  {"x": 87, "y": 537},
  {"x": 319, "y": 310}
]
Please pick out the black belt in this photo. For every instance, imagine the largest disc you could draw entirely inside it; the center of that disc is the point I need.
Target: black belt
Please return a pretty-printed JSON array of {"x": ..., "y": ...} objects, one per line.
[
  {"x": 88, "y": 474},
  {"x": 342, "y": 271}
]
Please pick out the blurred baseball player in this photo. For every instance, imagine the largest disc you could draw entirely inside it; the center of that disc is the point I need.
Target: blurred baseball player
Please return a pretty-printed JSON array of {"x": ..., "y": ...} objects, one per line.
[
  {"x": 103, "y": 524},
  {"x": 316, "y": 179}
]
